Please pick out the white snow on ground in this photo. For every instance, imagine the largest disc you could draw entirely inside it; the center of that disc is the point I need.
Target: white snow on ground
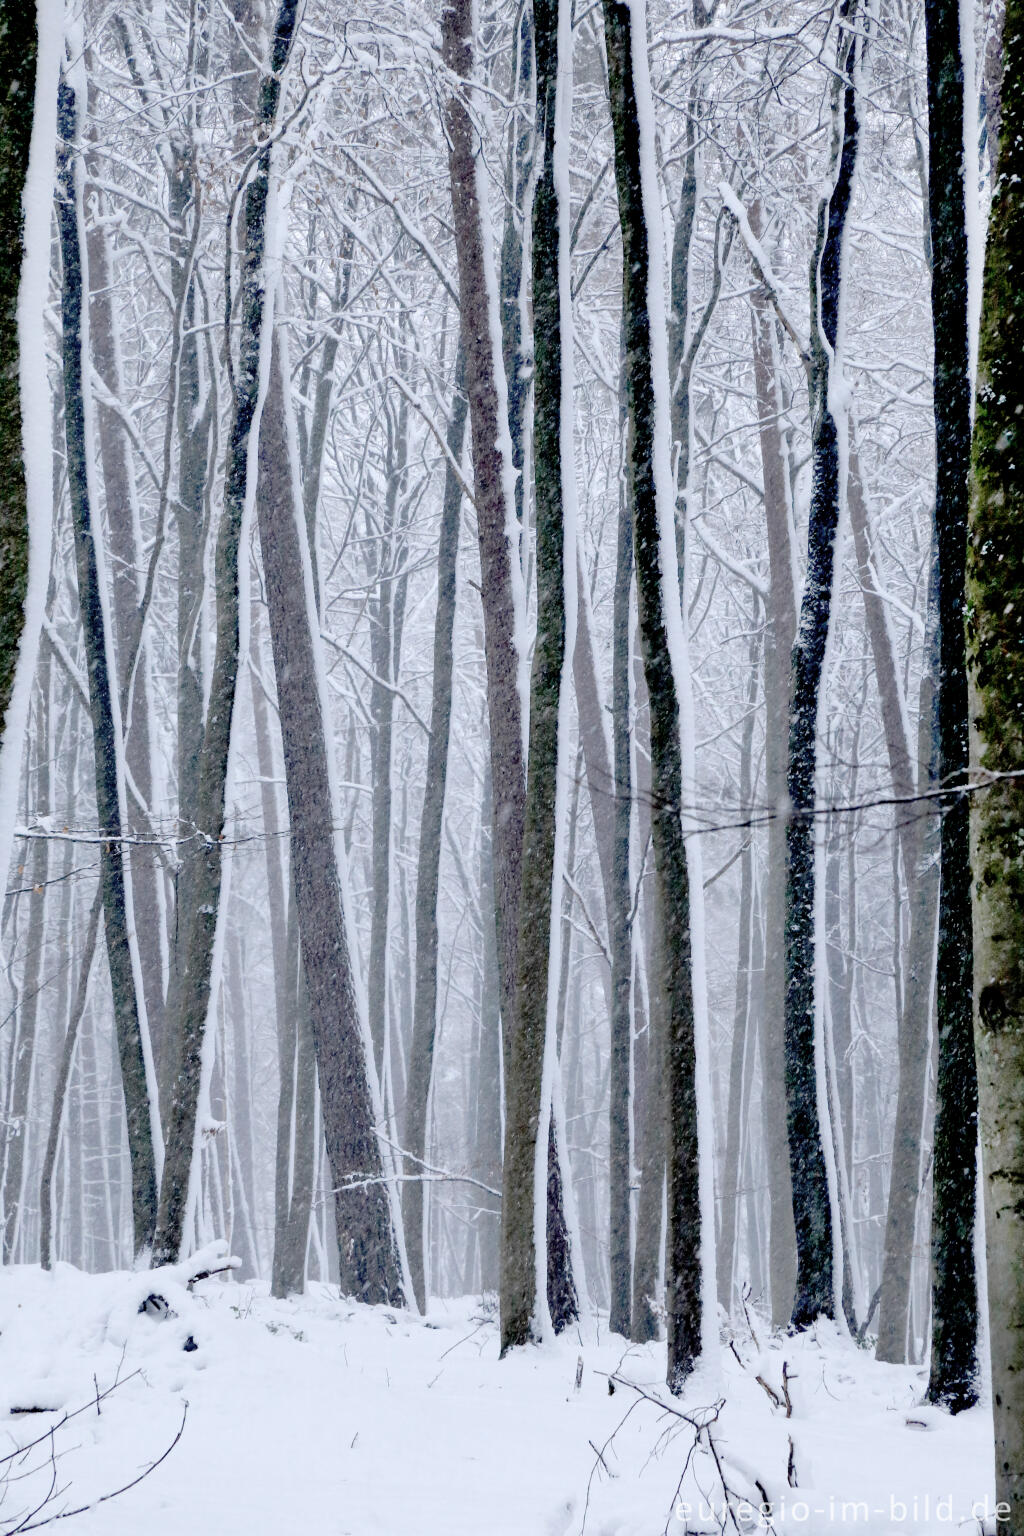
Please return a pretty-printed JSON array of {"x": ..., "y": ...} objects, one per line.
[{"x": 322, "y": 1418}]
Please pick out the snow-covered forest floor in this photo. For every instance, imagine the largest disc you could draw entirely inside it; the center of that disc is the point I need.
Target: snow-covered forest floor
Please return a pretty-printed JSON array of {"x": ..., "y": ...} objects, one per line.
[{"x": 317, "y": 1416}]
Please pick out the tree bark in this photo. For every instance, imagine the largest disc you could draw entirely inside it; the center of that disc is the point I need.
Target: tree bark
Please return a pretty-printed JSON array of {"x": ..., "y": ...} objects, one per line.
[
  {"x": 779, "y": 637},
  {"x": 121, "y": 517},
  {"x": 98, "y": 648},
  {"x": 18, "y": 58},
  {"x": 683, "y": 1278},
  {"x": 619, "y": 902},
  {"x": 995, "y": 646},
  {"x": 194, "y": 1000},
  {"x": 915, "y": 1026},
  {"x": 368, "y": 1259},
  {"x": 743, "y": 1012},
  {"x": 424, "y": 1026},
  {"x": 524, "y": 1109},
  {"x": 952, "y": 1381},
  {"x": 811, "y": 1201},
  {"x": 26, "y": 1017}
]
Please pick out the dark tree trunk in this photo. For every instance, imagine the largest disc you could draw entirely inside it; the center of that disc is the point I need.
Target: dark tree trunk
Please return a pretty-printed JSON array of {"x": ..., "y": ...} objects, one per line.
[
  {"x": 98, "y": 651},
  {"x": 811, "y": 1201},
  {"x": 995, "y": 637},
  {"x": 651, "y": 1105},
  {"x": 954, "y": 1288},
  {"x": 683, "y": 1278},
  {"x": 523, "y": 1084},
  {"x": 494, "y": 510},
  {"x": 18, "y": 50}
]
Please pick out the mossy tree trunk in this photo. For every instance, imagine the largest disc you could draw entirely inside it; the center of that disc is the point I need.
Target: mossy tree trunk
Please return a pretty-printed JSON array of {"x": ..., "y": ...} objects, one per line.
[
  {"x": 995, "y": 648},
  {"x": 524, "y": 1109},
  {"x": 683, "y": 1264}
]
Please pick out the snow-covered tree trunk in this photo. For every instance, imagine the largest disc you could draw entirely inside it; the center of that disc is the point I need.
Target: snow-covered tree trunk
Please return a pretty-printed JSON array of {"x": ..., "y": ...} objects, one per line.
[
  {"x": 619, "y": 902},
  {"x": 108, "y": 751},
  {"x": 30, "y": 41},
  {"x": 529, "y": 1080},
  {"x": 781, "y": 603},
  {"x": 805, "y": 1098},
  {"x": 683, "y": 1263}
]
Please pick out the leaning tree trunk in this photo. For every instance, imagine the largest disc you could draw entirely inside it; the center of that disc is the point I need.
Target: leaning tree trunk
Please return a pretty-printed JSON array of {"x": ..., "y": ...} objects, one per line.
[
  {"x": 995, "y": 637},
  {"x": 653, "y": 544},
  {"x": 368, "y": 1258},
  {"x": 424, "y": 1024},
  {"x": 196, "y": 981},
  {"x": 107, "y": 754},
  {"x": 954, "y": 1288},
  {"x": 812, "y": 1212},
  {"x": 530, "y": 1043}
]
